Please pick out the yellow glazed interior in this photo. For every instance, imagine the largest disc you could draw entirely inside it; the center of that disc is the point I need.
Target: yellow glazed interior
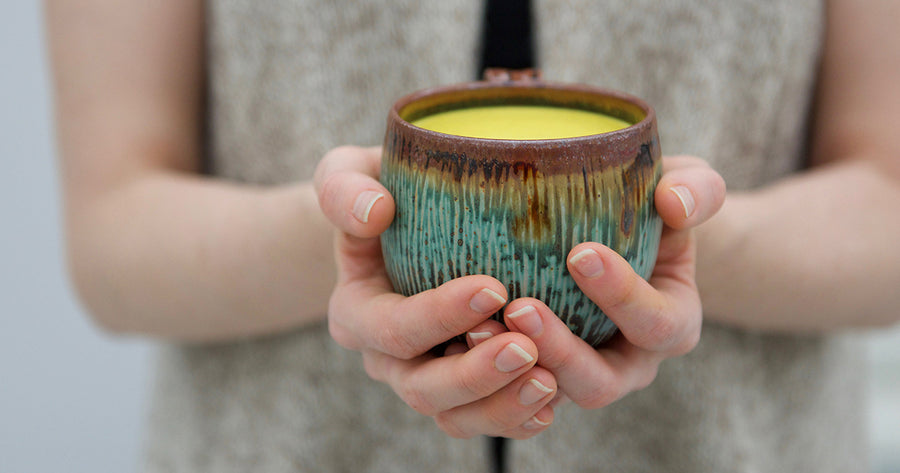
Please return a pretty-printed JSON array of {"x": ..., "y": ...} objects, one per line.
[{"x": 520, "y": 122}]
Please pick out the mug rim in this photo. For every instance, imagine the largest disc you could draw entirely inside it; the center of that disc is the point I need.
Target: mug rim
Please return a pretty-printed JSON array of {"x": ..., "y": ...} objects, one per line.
[{"x": 647, "y": 122}]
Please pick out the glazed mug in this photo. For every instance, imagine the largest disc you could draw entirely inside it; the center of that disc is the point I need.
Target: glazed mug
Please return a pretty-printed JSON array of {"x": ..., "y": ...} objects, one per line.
[{"x": 513, "y": 209}]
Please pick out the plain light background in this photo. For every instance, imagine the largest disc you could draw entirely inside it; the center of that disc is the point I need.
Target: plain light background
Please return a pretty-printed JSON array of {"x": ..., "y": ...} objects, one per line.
[
  {"x": 71, "y": 399},
  {"x": 74, "y": 399}
]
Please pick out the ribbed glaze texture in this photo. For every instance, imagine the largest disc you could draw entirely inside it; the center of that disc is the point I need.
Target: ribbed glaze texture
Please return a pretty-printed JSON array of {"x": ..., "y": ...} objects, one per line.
[{"x": 459, "y": 214}]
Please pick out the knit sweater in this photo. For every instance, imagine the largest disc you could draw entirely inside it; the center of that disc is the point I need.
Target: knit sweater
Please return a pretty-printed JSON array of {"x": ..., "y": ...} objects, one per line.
[{"x": 290, "y": 79}]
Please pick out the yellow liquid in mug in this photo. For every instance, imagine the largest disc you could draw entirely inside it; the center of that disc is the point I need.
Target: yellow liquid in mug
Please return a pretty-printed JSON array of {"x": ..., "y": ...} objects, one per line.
[{"x": 520, "y": 122}]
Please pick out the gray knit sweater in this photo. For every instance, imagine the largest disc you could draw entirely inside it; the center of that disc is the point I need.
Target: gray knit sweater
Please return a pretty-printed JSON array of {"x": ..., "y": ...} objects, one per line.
[{"x": 289, "y": 79}]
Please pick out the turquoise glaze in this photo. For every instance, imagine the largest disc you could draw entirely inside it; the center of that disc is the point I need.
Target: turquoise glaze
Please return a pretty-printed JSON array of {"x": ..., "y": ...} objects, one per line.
[{"x": 514, "y": 210}]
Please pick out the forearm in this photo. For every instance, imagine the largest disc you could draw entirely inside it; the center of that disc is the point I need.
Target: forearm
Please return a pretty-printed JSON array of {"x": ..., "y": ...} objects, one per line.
[
  {"x": 179, "y": 256},
  {"x": 816, "y": 252}
]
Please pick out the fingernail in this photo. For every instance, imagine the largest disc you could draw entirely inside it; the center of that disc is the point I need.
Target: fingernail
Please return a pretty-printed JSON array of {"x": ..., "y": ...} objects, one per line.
[
  {"x": 532, "y": 392},
  {"x": 528, "y": 320},
  {"x": 686, "y": 198},
  {"x": 364, "y": 203},
  {"x": 511, "y": 358},
  {"x": 588, "y": 263},
  {"x": 486, "y": 301},
  {"x": 478, "y": 337},
  {"x": 534, "y": 423}
]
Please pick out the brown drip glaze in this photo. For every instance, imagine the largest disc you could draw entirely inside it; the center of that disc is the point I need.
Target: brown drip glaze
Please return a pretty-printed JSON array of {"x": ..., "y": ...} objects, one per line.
[{"x": 616, "y": 148}]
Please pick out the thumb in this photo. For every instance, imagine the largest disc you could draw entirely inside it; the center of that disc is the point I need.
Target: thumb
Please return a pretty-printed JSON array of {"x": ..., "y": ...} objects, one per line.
[{"x": 349, "y": 193}]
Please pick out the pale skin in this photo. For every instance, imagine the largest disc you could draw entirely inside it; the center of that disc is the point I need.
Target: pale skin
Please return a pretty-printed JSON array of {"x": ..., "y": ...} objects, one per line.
[
  {"x": 813, "y": 253},
  {"x": 158, "y": 250},
  {"x": 505, "y": 382},
  {"x": 818, "y": 252},
  {"x": 155, "y": 248}
]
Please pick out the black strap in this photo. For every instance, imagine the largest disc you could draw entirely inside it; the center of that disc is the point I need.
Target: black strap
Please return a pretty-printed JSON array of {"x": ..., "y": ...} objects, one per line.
[
  {"x": 507, "y": 41},
  {"x": 497, "y": 453},
  {"x": 507, "y": 35}
]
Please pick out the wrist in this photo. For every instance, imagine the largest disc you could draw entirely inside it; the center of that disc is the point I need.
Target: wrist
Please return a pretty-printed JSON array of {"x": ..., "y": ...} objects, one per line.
[{"x": 719, "y": 241}]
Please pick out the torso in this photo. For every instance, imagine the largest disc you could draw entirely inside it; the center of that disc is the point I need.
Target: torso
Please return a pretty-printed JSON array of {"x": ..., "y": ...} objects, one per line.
[{"x": 290, "y": 79}]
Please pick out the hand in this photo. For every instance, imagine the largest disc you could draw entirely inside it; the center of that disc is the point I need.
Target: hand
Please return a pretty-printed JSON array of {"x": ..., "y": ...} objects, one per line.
[
  {"x": 490, "y": 385},
  {"x": 657, "y": 319}
]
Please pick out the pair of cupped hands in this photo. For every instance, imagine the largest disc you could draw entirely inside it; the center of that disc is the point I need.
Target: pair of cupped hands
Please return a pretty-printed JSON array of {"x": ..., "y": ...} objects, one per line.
[{"x": 507, "y": 378}]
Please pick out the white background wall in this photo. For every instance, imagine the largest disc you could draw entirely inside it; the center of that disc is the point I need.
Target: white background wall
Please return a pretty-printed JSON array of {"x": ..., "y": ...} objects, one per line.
[{"x": 73, "y": 399}]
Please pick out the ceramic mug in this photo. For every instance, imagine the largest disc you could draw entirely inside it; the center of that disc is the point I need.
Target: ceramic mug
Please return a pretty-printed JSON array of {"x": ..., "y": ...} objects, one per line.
[{"x": 513, "y": 209}]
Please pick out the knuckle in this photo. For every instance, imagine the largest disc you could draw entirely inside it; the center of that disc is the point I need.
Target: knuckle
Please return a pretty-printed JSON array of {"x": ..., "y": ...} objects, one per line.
[
  {"x": 450, "y": 326},
  {"x": 555, "y": 359},
  {"x": 499, "y": 420},
  {"x": 446, "y": 423},
  {"x": 341, "y": 335},
  {"x": 373, "y": 369},
  {"x": 688, "y": 343},
  {"x": 322, "y": 170},
  {"x": 663, "y": 332},
  {"x": 621, "y": 297},
  {"x": 646, "y": 378},
  {"x": 598, "y": 399},
  {"x": 330, "y": 190},
  {"x": 475, "y": 383},
  {"x": 392, "y": 341},
  {"x": 610, "y": 392},
  {"x": 418, "y": 401},
  {"x": 717, "y": 182},
  {"x": 339, "y": 153}
]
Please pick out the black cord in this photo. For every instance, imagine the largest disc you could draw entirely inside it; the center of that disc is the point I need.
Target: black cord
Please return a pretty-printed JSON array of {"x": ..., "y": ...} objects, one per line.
[
  {"x": 507, "y": 41},
  {"x": 507, "y": 35},
  {"x": 497, "y": 451}
]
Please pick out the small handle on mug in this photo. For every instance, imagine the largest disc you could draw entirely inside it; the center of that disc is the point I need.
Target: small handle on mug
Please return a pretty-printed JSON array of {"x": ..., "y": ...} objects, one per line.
[{"x": 501, "y": 74}]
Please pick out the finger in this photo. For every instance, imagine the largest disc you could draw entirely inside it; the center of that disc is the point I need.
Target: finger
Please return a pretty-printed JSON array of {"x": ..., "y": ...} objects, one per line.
[
  {"x": 357, "y": 159},
  {"x": 537, "y": 424},
  {"x": 484, "y": 331},
  {"x": 581, "y": 373},
  {"x": 560, "y": 399},
  {"x": 671, "y": 163},
  {"x": 666, "y": 320},
  {"x": 366, "y": 314},
  {"x": 632, "y": 368},
  {"x": 349, "y": 193},
  {"x": 432, "y": 385},
  {"x": 518, "y": 410},
  {"x": 689, "y": 193},
  {"x": 455, "y": 348},
  {"x": 590, "y": 378}
]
